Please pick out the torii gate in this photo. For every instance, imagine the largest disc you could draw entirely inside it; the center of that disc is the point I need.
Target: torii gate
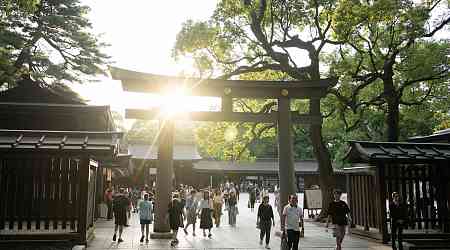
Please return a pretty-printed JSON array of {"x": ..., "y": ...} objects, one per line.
[{"x": 283, "y": 91}]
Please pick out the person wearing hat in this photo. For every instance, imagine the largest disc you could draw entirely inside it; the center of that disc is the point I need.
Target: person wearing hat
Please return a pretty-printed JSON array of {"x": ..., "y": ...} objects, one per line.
[{"x": 265, "y": 220}]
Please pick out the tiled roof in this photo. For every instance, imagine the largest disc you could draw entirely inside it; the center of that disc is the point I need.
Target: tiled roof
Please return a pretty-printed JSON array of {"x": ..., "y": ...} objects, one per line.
[
  {"x": 150, "y": 152},
  {"x": 261, "y": 167},
  {"x": 442, "y": 136},
  {"x": 367, "y": 152},
  {"x": 94, "y": 143}
]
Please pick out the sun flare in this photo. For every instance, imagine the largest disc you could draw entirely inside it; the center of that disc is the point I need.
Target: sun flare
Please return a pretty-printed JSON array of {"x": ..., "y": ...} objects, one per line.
[{"x": 175, "y": 101}]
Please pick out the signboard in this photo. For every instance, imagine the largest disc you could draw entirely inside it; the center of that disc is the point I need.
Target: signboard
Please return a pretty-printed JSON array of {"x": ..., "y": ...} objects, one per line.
[{"x": 313, "y": 199}]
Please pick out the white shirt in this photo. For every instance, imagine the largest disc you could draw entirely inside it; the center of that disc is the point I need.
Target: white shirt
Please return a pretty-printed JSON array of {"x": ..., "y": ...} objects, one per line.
[
  {"x": 205, "y": 204},
  {"x": 293, "y": 216}
]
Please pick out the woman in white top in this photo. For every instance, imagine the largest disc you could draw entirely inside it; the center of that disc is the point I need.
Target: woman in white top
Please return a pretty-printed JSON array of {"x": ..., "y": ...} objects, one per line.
[{"x": 205, "y": 208}]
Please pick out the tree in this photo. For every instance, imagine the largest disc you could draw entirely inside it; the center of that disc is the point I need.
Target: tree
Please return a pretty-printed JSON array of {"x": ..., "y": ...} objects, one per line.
[
  {"x": 48, "y": 40},
  {"x": 266, "y": 36},
  {"x": 390, "y": 61}
]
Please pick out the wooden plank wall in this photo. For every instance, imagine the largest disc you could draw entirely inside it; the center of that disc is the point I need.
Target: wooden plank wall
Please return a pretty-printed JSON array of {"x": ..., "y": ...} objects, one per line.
[
  {"x": 41, "y": 194},
  {"x": 423, "y": 188},
  {"x": 363, "y": 202}
]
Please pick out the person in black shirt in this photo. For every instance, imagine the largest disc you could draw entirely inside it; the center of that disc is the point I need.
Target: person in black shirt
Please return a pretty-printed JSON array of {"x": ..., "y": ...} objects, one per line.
[
  {"x": 176, "y": 216},
  {"x": 120, "y": 206},
  {"x": 339, "y": 212},
  {"x": 399, "y": 217},
  {"x": 265, "y": 220}
]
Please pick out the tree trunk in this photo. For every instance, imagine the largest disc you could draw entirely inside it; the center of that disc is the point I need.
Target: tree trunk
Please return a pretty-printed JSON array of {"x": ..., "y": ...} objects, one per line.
[
  {"x": 393, "y": 112},
  {"x": 326, "y": 176},
  {"x": 392, "y": 119}
]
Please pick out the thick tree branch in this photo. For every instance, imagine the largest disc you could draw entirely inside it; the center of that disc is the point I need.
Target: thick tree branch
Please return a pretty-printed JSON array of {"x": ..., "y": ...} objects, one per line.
[{"x": 419, "y": 102}]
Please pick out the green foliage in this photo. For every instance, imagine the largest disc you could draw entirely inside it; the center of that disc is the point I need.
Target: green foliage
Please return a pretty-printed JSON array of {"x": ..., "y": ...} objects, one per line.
[
  {"x": 383, "y": 52},
  {"x": 49, "y": 40}
]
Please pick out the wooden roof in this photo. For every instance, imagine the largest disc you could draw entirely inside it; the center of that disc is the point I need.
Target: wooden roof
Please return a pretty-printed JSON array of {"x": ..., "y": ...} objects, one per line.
[
  {"x": 268, "y": 166},
  {"x": 96, "y": 144},
  {"x": 181, "y": 152},
  {"x": 29, "y": 91},
  {"x": 143, "y": 82},
  {"x": 442, "y": 136},
  {"x": 397, "y": 152}
]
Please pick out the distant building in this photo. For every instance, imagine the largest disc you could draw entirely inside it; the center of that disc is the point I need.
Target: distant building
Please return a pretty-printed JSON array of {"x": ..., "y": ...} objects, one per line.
[{"x": 191, "y": 169}]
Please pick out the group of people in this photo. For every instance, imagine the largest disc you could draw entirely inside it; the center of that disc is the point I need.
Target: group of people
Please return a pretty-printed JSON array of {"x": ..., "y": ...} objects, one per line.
[{"x": 188, "y": 205}]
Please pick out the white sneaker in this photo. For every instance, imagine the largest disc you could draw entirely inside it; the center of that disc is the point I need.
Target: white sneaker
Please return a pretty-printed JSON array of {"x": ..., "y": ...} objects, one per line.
[
  {"x": 267, "y": 247},
  {"x": 260, "y": 242}
]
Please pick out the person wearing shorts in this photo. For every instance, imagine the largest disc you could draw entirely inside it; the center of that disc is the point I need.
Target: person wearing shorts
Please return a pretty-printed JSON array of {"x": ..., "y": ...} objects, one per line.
[
  {"x": 339, "y": 212},
  {"x": 145, "y": 208}
]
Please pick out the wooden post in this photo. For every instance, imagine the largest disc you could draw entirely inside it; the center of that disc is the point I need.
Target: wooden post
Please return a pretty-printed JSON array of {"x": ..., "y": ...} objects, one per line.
[
  {"x": 164, "y": 178},
  {"x": 381, "y": 188},
  {"x": 285, "y": 155},
  {"x": 83, "y": 180}
]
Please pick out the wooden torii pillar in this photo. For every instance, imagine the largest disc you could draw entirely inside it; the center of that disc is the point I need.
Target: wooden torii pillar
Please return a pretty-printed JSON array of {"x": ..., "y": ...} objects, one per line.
[{"x": 283, "y": 91}]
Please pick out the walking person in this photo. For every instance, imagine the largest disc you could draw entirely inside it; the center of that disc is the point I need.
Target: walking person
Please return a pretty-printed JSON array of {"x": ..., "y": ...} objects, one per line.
[
  {"x": 291, "y": 221},
  {"x": 232, "y": 209},
  {"x": 120, "y": 207},
  {"x": 265, "y": 220},
  {"x": 252, "y": 199},
  {"x": 176, "y": 217},
  {"x": 278, "y": 203},
  {"x": 206, "y": 214},
  {"x": 191, "y": 211},
  {"x": 145, "y": 209},
  {"x": 217, "y": 204},
  {"x": 109, "y": 203},
  {"x": 399, "y": 218},
  {"x": 339, "y": 212}
]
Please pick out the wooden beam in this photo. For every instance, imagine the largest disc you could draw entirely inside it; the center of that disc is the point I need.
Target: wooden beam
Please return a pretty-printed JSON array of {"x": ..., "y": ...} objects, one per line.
[
  {"x": 142, "y": 82},
  {"x": 154, "y": 114}
]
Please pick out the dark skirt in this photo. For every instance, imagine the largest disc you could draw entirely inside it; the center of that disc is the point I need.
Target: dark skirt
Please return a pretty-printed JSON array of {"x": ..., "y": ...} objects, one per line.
[
  {"x": 191, "y": 216},
  {"x": 120, "y": 217},
  {"x": 206, "y": 219},
  {"x": 175, "y": 221}
]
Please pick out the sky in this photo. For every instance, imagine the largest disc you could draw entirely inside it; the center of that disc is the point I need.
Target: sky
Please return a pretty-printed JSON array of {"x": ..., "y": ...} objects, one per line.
[{"x": 141, "y": 35}]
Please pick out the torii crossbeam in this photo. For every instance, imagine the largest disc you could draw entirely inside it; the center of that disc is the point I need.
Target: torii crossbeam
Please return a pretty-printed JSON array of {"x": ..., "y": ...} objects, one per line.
[{"x": 283, "y": 91}]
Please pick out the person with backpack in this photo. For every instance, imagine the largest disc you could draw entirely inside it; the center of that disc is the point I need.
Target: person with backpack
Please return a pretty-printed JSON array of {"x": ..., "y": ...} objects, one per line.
[
  {"x": 120, "y": 207},
  {"x": 145, "y": 209}
]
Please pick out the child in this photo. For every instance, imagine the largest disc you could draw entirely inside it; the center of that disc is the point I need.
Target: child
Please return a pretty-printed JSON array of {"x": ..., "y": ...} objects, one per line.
[{"x": 146, "y": 216}]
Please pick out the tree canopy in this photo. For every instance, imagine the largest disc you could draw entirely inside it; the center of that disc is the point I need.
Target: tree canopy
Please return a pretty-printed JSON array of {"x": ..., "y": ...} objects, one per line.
[{"x": 48, "y": 40}]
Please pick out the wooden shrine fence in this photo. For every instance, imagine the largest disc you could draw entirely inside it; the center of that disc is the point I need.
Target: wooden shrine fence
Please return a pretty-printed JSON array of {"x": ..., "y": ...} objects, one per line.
[
  {"x": 49, "y": 189},
  {"x": 418, "y": 172}
]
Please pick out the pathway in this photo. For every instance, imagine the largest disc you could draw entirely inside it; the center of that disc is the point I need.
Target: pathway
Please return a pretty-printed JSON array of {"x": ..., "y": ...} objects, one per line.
[{"x": 243, "y": 236}]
